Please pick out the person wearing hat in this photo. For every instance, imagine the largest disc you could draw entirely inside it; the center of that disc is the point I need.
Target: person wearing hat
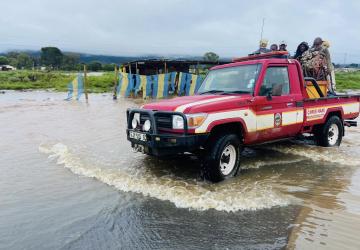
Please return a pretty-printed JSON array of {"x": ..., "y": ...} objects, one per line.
[
  {"x": 274, "y": 47},
  {"x": 282, "y": 46},
  {"x": 331, "y": 71},
  {"x": 317, "y": 44},
  {"x": 263, "y": 47},
  {"x": 316, "y": 63}
]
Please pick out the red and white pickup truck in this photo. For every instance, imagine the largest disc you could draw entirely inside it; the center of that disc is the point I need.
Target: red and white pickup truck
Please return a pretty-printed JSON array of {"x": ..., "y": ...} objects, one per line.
[{"x": 241, "y": 104}]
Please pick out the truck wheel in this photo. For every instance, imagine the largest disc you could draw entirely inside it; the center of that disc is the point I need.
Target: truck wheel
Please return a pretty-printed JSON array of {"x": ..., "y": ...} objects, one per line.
[
  {"x": 330, "y": 134},
  {"x": 223, "y": 157}
]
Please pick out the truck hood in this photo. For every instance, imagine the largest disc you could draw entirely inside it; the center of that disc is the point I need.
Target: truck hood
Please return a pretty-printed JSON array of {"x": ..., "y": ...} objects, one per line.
[{"x": 197, "y": 103}]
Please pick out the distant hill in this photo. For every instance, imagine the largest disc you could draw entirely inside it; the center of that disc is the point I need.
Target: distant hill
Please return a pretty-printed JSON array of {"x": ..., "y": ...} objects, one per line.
[{"x": 105, "y": 59}]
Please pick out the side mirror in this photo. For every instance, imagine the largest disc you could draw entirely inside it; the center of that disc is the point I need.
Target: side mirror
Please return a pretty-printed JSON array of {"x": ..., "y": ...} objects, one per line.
[{"x": 269, "y": 96}]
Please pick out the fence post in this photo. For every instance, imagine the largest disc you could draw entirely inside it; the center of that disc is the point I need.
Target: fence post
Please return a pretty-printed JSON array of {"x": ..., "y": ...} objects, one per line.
[
  {"x": 85, "y": 83},
  {"x": 115, "y": 82}
]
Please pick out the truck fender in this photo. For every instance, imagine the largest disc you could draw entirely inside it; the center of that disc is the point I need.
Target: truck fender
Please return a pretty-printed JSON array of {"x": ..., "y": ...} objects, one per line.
[
  {"x": 337, "y": 111},
  {"x": 227, "y": 121}
]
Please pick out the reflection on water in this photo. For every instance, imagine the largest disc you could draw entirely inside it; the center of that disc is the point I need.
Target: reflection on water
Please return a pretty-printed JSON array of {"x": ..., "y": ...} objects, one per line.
[{"x": 290, "y": 194}]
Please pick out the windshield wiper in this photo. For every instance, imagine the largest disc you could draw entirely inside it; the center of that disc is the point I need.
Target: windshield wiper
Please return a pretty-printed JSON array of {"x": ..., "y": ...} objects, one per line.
[
  {"x": 211, "y": 92},
  {"x": 236, "y": 92}
]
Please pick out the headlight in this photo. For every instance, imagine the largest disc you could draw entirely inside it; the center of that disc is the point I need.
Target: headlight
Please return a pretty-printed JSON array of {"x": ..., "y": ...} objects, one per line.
[
  {"x": 193, "y": 120},
  {"x": 136, "y": 120},
  {"x": 147, "y": 125},
  {"x": 177, "y": 122},
  {"x": 196, "y": 120}
]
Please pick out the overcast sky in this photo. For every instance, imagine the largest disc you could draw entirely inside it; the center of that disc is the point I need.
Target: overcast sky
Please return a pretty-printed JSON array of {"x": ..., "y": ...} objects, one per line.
[{"x": 178, "y": 27}]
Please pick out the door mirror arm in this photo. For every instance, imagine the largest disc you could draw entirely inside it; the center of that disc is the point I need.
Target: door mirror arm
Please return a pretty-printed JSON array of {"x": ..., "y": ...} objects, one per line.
[{"x": 269, "y": 96}]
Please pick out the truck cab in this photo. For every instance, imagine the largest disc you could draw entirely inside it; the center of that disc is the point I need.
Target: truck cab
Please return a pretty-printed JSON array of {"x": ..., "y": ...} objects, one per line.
[{"x": 244, "y": 103}]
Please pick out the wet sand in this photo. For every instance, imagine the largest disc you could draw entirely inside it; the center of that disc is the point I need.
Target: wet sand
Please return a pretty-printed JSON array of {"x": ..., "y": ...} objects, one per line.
[{"x": 70, "y": 180}]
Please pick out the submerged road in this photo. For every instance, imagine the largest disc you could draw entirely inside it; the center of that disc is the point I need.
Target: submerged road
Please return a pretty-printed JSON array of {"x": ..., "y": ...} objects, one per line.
[{"x": 69, "y": 180}]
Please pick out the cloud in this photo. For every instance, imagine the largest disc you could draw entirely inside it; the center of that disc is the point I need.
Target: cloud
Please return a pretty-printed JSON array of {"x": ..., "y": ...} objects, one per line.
[{"x": 132, "y": 27}]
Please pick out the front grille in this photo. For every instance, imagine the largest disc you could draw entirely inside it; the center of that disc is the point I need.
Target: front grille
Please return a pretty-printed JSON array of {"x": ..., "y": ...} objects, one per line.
[
  {"x": 163, "y": 121},
  {"x": 143, "y": 118}
]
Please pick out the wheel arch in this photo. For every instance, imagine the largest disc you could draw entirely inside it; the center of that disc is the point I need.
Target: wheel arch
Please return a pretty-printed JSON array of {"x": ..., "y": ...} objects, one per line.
[
  {"x": 236, "y": 126},
  {"x": 336, "y": 112}
]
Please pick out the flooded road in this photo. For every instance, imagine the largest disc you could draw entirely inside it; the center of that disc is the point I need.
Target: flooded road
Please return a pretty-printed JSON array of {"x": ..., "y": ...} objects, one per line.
[{"x": 69, "y": 180}]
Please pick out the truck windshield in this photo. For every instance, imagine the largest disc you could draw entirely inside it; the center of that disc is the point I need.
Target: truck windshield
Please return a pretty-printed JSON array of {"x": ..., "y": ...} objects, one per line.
[{"x": 239, "y": 79}]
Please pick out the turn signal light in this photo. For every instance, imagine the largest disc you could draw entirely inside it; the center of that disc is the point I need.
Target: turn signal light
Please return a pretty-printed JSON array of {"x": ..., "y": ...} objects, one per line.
[{"x": 196, "y": 120}]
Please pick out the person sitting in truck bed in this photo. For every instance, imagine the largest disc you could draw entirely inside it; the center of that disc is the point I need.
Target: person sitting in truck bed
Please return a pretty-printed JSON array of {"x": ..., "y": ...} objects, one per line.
[
  {"x": 282, "y": 47},
  {"x": 302, "y": 47},
  {"x": 331, "y": 70},
  {"x": 263, "y": 47},
  {"x": 314, "y": 61},
  {"x": 274, "y": 47}
]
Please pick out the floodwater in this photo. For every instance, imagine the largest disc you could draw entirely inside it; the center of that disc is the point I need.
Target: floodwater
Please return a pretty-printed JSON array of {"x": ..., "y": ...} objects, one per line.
[{"x": 69, "y": 180}]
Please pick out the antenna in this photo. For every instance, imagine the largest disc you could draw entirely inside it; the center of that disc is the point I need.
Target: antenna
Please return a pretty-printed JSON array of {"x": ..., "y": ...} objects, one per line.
[{"x": 262, "y": 30}]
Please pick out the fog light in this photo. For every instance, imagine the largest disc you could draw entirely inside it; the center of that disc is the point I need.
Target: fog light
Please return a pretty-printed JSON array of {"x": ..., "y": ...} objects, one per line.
[
  {"x": 147, "y": 125},
  {"x": 134, "y": 123},
  {"x": 136, "y": 120}
]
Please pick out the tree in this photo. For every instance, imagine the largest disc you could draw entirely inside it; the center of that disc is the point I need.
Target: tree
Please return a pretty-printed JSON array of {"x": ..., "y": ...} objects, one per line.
[
  {"x": 12, "y": 57},
  {"x": 51, "y": 56},
  {"x": 211, "y": 57},
  {"x": 24, "y": 61},
  {"x": 70, "y": 61},
  {"x": 94, "y": 66},
  {"x": 20, "y": 60},
  {"x": 108, "y": 67},
  {"x": 4, "y": 60}
]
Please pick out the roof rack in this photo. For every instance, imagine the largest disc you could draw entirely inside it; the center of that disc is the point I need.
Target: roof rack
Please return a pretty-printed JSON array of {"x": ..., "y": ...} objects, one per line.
[{"x": 273, "y": 54}]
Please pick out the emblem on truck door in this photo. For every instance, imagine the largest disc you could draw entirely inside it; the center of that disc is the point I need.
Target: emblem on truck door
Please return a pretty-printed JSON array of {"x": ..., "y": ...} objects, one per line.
[{"x": 277, "y": 119}]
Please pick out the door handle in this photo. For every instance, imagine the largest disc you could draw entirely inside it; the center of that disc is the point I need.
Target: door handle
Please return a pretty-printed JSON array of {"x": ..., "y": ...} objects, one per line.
[
  {"x": 266, "y": 108},
  {"x": 289, "y": 104}
]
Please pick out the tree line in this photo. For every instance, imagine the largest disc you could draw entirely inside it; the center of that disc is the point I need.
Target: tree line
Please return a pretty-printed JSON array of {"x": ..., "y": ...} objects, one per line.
[{"x": 52, "y": 58}]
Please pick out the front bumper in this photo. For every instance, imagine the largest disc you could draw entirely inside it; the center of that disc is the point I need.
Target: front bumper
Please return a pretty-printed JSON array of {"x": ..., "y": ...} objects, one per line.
[
  {"x": 168, "y": 144},
  {"x": 160, "y": 144}
]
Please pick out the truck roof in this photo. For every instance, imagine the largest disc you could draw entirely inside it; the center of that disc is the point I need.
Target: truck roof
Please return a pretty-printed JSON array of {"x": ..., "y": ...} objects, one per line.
[
  {"x": 270, "y": 57},
  {"x": 262, "y": 61}
]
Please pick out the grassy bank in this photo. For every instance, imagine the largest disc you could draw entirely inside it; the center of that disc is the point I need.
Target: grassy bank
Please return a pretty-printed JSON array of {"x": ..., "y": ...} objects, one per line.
[
  {"x": 58, "y": 81},
  {"x": 348, "y": 80},
  {"x": 23, "y": 79}
]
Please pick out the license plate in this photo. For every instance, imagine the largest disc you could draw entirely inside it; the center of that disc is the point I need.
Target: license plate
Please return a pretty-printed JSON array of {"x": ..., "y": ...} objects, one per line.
[
  {"x": 137, "y": 136},
  {"x": 139, "y": 148}
]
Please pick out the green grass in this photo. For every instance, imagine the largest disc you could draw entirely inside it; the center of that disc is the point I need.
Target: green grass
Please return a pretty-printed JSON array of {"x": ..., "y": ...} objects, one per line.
[
  {"x": 58, "y": 81},
  {"x": 347, "y": 80},
  {"x": 55, "y": 80}
]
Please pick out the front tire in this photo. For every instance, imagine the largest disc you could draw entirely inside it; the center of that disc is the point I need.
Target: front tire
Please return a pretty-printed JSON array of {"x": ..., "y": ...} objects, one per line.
[
  {"x": 331, "y": 133},
  {"x": 223, "y": 157}
]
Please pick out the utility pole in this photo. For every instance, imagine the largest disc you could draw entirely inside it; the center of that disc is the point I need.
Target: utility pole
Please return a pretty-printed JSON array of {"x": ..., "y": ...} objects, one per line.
[{"x": 262, "y": 30}]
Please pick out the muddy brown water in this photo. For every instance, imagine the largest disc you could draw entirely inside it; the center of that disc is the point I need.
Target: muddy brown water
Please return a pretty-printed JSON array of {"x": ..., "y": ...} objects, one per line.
[{"x": 69, "y": 180}]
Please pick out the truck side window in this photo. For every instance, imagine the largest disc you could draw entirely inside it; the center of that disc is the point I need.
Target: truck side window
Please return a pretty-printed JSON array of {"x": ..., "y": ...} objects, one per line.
[{"x": 276, "y": 81}]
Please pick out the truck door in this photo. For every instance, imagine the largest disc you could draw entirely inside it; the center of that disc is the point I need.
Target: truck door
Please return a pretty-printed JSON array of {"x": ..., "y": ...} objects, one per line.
[{"x": 277, "y": 114}]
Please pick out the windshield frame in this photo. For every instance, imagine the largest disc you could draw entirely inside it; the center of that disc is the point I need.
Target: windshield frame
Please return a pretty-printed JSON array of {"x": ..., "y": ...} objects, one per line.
[{"x": 252, "y": 92}]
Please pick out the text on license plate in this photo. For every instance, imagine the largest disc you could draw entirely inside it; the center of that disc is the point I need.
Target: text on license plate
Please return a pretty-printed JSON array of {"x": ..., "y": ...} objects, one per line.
[{"x": 137, "y": 136}]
